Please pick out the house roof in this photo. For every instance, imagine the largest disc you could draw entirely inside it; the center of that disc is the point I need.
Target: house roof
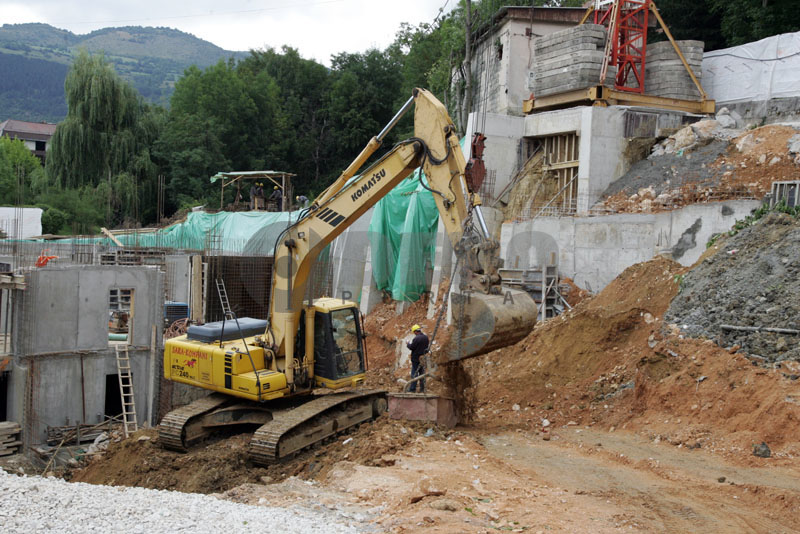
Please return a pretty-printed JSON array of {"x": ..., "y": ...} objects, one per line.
[{"x": 17, "y": 128}]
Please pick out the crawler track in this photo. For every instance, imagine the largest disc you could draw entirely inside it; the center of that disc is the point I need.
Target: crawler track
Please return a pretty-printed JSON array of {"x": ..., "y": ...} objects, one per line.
[
  {"x": 175, "y": 430},
  {"x": 293, "y": 430}
]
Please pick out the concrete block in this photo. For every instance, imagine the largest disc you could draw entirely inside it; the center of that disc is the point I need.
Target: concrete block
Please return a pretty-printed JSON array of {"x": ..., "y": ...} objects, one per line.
[
  {"x": 569, "y": 32},
  {"x": 554, "y": 54},
  {"x": 572, "y": 58},
  {"x": 423, "y": 407},
  {"x": 568, "y": 46},
  {"x": 683, "y": 45}
]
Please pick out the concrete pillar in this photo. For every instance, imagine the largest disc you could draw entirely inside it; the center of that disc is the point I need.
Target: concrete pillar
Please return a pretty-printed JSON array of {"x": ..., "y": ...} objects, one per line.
[
  {"x": 370, "y": 295},
  {"x": 438, "y": 262}
]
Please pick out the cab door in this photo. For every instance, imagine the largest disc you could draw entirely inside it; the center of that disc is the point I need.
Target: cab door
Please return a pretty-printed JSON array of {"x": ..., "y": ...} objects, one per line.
[{"x": 338, "y": 346}]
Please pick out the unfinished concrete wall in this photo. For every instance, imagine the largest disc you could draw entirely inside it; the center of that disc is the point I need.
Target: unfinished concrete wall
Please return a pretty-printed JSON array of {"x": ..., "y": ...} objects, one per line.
[
  {"x": 67, "y": 307},
  {"x": 62, "y": 358},
  {"x": 594, "y": 250},
  {"x": 603, "y": 134},
  {"x": 502, "y": 64},
  {"x": 178, "y": 278},
  {"x": 601, "y": 145},
  {"x": 72, "y": 388},
  {"x": 503, "y": 154}
]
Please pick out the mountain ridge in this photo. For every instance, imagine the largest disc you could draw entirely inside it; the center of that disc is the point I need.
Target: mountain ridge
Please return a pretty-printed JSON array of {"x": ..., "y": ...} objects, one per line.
[{"x": 152, "y": 59}]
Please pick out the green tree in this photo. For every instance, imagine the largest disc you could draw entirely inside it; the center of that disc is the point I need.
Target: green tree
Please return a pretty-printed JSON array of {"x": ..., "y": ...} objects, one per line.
[
  {"x": 743, "y": 21},
  {"x": 363, "y": 96},
  {"x": 104, "y": 140},
  {"x": 303, "y": 86},
  {"x": 219, "y": 121},
  {"x": 19, "y": 170}
]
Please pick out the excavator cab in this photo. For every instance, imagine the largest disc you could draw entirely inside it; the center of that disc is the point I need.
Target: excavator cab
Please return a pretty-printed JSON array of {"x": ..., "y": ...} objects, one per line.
[{"x": 339, "y": 355}]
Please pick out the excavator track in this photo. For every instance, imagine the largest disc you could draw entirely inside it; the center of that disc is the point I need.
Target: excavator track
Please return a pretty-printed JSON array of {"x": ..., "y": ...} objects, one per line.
[
  {"x": 295, "y": 429},
  {"x": 174, "y": 427}
]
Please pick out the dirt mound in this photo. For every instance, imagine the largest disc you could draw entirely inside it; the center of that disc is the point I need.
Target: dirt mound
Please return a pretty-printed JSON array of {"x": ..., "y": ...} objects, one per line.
[
  {"x": 592, "y": 338},
  {"x": 218, "y": 466},
  {"x": 609, "y": 362},
  {"x": 753, "y": 281},
  {"x": 140, "y": 461}
]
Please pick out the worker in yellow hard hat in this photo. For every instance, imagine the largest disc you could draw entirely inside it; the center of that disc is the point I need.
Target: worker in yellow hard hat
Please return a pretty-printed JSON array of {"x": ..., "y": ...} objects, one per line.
[
  {"x": 418, "y": 347},
  {"x": 302, "y": 201}
]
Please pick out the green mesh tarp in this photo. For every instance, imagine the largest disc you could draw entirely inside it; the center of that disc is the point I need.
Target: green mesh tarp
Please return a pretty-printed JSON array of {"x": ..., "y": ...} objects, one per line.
[
  {"x": 250, "y": 233},
  {"x": 402, "y": 237}
]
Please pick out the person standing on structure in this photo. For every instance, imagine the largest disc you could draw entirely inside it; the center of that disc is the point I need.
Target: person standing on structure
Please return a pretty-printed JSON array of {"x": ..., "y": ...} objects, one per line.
[
  {"x": 276, "y": 198},
  {"x": 302, "y": 201},
  {"x": 253, "y": 191},
  {"x": 418, "y": 347}
]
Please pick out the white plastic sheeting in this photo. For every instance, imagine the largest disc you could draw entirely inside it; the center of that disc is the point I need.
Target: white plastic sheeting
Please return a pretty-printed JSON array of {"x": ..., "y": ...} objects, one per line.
[
  {"x": 30, "y": 224},
  {"x": 765, "y": 69}
]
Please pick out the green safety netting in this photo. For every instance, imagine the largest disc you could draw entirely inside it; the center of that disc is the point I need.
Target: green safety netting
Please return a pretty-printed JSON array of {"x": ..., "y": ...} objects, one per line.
[
  {"x": 402, "y": 237},
  {"x": 249, "y": 233}
]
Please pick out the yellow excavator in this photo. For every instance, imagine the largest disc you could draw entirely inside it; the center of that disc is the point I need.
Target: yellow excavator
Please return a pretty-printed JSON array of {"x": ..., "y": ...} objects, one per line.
[{"x": 269, "y": 374}]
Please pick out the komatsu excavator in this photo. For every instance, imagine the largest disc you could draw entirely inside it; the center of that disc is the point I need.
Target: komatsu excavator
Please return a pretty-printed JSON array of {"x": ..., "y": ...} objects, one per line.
[{"x": 269, "y": 373}]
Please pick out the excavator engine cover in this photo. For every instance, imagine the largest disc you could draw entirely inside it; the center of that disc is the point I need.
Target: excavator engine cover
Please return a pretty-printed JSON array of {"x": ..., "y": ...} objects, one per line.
[{"x": 489, "y": 322}]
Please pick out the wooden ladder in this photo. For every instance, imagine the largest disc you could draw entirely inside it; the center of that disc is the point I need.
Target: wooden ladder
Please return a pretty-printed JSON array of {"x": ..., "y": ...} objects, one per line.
[{"x": 126, "y": 390}]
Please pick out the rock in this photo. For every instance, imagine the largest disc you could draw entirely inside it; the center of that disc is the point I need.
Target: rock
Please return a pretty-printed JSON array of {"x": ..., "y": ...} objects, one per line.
[
  {"x": 143, "y": 438},
  {"x": 445, "y": 505},
  {"x": 746, "y": 143},
  {"x": 762, "y": 159},
  {"x": 774, "y": 161},
  {"x": 684, "y": 138},
  {"x": 726, "y": 121},
  {"x": 762, "y": 451},
  {"x": 705, "y": 129},
  {"x": 545, "y": 423},
  {"x": 794, "y": 144},
  {"x": 515, "y": 407},
  {"x": 721, "y": 480},
  {"x": 266, "y": 479},
  {"x": 426, "y": 488},
  {"x": 781, "y": 344}
]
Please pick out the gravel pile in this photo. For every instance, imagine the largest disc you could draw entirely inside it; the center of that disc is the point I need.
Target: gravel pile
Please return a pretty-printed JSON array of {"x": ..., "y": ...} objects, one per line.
[
  {"x": 670, "y": 171},
  {"x": 753, "y": 281},
  {"x": 36, "y": 504}
]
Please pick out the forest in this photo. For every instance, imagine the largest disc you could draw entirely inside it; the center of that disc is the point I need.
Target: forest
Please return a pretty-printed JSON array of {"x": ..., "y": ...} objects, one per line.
[{"x": 272, "y": 110}]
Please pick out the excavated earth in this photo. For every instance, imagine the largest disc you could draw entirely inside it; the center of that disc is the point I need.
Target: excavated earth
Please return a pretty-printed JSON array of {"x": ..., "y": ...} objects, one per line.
[
  {"x": 753, "y": 281},
  {"x": 608, "y": 418},
  {"x": 706, "y": 163}
]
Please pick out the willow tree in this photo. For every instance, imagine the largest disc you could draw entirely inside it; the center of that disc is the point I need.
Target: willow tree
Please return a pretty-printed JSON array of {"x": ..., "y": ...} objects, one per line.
[{"x": 104, "y": 141}]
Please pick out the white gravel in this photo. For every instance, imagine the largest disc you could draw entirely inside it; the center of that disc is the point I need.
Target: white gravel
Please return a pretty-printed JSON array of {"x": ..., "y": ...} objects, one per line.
[{"x": 36, "y": 504}]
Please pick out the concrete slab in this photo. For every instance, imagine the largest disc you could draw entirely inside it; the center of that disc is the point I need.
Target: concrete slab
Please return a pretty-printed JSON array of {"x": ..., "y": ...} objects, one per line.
[{"x": 423, "y": 407}]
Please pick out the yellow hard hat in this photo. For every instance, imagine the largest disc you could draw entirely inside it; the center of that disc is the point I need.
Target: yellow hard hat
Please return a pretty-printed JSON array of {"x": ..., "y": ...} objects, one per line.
[
  {"x": 297, "y": 197},
  {"x": 276, "y": 187},
  {"x": 416, "y": 327}
]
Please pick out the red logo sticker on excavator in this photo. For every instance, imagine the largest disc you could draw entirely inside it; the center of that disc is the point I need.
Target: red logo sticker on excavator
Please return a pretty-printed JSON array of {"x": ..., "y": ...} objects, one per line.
[{"x": 190, "y": 363}]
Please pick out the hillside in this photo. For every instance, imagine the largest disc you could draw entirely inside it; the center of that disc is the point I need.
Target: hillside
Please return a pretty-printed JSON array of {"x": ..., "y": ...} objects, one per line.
[{"x": 35, "y": 58}]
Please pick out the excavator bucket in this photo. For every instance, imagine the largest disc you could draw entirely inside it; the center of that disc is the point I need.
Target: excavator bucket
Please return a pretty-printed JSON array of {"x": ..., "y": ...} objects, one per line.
[{"x": 484, "y": 323}]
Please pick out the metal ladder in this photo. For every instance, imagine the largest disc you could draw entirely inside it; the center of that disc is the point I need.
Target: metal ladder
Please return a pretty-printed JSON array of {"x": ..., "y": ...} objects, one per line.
[
  {"x": 230, "y": 316},
  {"x": 223, "y": 300},
  {"x": 129, "y": 425}
]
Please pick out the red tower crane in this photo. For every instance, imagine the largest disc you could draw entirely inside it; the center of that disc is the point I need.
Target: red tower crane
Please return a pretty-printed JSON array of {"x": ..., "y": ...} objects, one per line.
[{"x": 626, "y": 47}]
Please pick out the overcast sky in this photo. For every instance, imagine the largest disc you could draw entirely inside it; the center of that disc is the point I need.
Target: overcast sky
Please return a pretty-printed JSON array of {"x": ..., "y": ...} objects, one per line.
[{"x": 318, "y": 28}]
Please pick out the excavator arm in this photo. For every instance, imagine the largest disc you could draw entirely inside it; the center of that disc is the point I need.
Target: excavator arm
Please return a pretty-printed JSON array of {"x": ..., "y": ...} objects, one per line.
[{"x": 435, "y": 148}]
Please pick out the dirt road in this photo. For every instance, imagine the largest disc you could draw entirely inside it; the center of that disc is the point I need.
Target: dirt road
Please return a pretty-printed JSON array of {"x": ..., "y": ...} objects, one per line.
[{"x": 660, "y": 487}]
